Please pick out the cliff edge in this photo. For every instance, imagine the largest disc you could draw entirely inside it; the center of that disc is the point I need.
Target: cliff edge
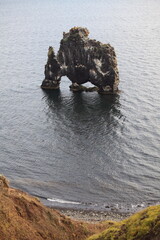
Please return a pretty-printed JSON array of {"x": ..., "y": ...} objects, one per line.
[
  {"x": 23, "y": 217},
  {"x": 144, "y": 225}
]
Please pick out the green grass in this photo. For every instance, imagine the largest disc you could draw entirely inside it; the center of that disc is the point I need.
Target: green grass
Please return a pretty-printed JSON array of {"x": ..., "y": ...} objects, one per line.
[{"x": 144, "y": 225}]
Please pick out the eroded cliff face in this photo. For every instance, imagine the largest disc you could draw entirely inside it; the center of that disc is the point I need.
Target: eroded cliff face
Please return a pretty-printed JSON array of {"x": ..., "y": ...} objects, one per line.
[
  {"x": 23, "y": 217},
  {"x": 82, "y": 60}
]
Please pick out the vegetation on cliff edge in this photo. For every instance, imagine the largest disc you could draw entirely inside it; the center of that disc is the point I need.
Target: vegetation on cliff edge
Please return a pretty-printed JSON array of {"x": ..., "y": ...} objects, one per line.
[
  {"x": 23, "y": 217},
  {"x": 144, "y": 225}
]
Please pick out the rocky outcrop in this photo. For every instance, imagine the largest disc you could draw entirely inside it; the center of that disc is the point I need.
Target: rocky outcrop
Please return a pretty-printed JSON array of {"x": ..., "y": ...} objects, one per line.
[{"x": 82, "y": 60}]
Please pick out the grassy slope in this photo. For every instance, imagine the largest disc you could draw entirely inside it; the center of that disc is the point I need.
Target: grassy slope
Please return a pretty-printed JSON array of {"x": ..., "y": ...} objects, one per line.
[
  {"x": 144, "y": 225},
  {"x": 23, "y": 217}
]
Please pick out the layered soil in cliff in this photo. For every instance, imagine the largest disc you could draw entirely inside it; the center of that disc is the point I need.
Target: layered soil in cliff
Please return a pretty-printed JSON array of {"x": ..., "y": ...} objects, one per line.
[{"x": 23, "y": 217}]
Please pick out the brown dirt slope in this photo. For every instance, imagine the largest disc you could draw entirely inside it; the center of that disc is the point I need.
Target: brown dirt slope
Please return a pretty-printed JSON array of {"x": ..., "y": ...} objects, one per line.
[{"x": 23, "y": 217}]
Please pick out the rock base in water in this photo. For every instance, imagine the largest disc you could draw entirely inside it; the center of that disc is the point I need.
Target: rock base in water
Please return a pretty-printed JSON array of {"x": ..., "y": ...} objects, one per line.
[{"x": 82, "y": 60}]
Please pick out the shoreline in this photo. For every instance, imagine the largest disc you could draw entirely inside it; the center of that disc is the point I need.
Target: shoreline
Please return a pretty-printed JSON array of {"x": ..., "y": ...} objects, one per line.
[{"x": 92, "y": 215}]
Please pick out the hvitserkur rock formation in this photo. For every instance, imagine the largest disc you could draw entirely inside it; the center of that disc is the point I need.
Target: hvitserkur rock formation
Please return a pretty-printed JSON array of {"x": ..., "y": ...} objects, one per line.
[{"x": 82, "y": 60}]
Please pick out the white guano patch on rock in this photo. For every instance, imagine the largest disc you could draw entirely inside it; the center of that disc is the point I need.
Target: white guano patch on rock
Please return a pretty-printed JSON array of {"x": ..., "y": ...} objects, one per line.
[
  {"x": 50, "y": 74},
  {"x": 86, "y": 48},
  {"x": 98, "y": 64},
  {"x": 93, "y": 73}
]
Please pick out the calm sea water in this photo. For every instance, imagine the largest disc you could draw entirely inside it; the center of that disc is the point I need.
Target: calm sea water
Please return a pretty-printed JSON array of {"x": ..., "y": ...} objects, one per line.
[{"x": 81, "y": 150}]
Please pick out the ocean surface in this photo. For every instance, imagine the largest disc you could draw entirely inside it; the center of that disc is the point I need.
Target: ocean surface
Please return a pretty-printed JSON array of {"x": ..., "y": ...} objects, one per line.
[{"x": 81, "y": 150}]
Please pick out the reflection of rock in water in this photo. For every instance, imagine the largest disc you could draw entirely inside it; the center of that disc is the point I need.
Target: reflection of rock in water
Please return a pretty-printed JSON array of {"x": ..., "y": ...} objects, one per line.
[
  {"x": 82, "y": 108},
  {"x": 82, "y": 60},
  {"x": 53, "y": 98}
]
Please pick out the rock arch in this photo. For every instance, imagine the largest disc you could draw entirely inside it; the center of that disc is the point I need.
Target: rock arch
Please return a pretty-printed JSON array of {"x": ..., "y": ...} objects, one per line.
[{"x": 82, "y": 60}]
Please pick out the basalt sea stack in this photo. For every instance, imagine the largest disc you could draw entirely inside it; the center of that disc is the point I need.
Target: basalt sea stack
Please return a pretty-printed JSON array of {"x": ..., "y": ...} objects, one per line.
[{"x": 82, "y": 60}]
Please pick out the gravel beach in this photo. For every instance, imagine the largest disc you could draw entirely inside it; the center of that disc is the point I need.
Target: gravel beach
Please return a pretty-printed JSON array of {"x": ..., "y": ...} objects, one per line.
[{"x": 93, "y": 216}]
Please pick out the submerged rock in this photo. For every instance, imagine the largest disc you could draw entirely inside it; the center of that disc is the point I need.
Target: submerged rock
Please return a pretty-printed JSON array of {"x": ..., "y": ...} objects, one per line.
[{"x": 82, "y": 60}]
